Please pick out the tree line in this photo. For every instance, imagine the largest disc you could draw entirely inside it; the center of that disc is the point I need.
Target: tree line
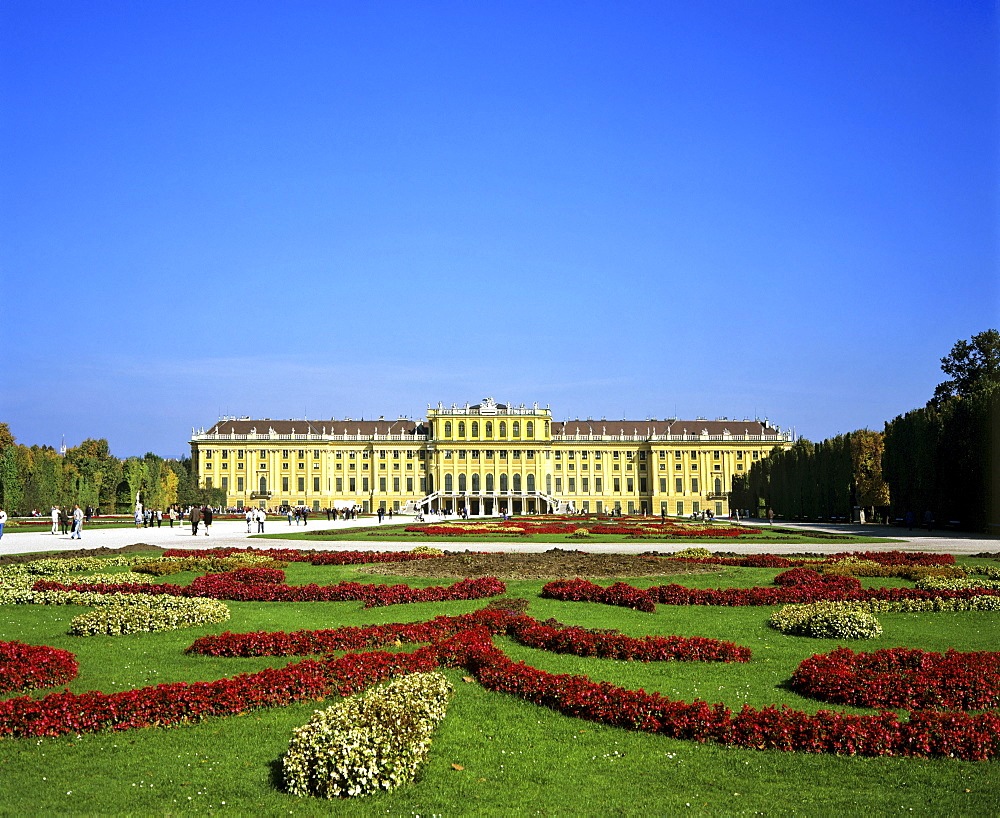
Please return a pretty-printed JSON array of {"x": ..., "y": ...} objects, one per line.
[
  {"x": 937, "y": 460},
  {"x": 36, "y": 478}
]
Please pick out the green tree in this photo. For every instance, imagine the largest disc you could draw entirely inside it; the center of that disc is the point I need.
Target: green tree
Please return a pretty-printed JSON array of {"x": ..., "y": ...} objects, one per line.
[{"x": 974, "y": 367}]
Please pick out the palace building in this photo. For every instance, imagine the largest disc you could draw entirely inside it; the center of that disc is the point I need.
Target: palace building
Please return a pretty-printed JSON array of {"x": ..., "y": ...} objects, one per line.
[{"x": 487, "y": 458}]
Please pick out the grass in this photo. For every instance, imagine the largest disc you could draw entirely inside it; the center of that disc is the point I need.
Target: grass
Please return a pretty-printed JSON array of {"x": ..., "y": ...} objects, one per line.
[{"x": 516, "y": 758}]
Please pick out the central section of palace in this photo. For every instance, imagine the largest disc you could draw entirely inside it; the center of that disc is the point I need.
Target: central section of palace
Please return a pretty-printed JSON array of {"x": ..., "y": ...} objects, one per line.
[{"x": 487, "y": 458}]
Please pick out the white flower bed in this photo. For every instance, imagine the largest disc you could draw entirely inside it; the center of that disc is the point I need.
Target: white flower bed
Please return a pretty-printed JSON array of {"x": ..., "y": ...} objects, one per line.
[
  {"x": 139, "y": 613},
  {"x": 369, "y": 743}
]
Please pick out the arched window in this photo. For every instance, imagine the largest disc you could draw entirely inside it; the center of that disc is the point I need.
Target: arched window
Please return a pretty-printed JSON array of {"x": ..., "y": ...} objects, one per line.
[
  {"x": 461, "y": 428},
  {"x": 531, "y": 482},
  {"x": 430, "y": 483},
  {"x": 503, "y": 482},
  {"x": 489, "y": 482},
  {"x": 718, "y": 486},
  {"x": 263, "y": 485},
  {"x": 447, "y": 482},
  {"x": 517, "y": 482},
  {"x": 447, "y": 428},
  {"x": 516, "y": 428},
  {"x": 548, "y": 484},
  {"x": 547, "y": 428},
  {"x": 503, "y": 428},
  {"x": 475, "y": 482},
  {"x": 489, "y": 428},
  {"x": 530, "y": 429},
  {"x": 461, "y": 482},
  {"x": 475, "y": 428}
]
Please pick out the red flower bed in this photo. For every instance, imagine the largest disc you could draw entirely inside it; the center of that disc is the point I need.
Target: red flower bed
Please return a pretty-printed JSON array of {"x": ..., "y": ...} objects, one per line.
[
  {"x": 627, "y": 596},
  {"x": 314, "y": 557},
  {"x": 26, "y": 667},
  {"x": 261, "y": 585},
  {"x": 524, "y": 629},
  {"x": 902, "y": 678}
]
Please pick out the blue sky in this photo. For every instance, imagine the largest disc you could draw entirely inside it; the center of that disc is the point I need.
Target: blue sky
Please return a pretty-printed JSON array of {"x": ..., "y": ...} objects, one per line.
[{"x": 329, "y": 209}]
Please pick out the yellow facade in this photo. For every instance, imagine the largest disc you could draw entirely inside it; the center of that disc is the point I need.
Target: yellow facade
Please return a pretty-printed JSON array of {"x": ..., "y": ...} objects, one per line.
[{"x": 487, "y": 458}]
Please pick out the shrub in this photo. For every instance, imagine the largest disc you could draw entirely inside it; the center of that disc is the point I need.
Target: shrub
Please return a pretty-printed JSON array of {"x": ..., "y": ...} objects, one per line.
[
  {"x": 133, "y": 614},
  {"x": 955, "y": 584},
  {"x": 429, "y": 550},
  {"x": 693, "y": 554},
  {"x": 826, "y": 620},
  {"x": 375, "y": 741}
]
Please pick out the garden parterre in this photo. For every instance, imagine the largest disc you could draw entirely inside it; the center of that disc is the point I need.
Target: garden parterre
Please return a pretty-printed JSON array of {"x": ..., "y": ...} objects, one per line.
[{"x": 473, "y": 648}]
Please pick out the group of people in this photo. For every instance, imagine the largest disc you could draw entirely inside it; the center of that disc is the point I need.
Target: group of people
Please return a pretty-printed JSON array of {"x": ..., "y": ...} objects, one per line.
[
  {"x": 69, "y": 522},
  {"x": 255, "y": 515}
]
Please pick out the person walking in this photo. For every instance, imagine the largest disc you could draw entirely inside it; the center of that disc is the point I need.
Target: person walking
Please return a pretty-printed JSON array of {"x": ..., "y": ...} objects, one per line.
[
  {"x": 770, "y": 516},
  {"x": 195, "y": 519},
  {"x": 3, "y": 520},
  {"x": 261, "y": 516},
  {"x": 206, "y": 514},
  {"x": 250, "y": 515},
  {"x": 77, "y": 523},
  {"x": 55, "y": 519},
  {"x": 172, "y": 514}
]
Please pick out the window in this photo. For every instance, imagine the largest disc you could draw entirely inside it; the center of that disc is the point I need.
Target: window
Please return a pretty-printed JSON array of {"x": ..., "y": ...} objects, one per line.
[
  {"x": 449, "y": 482},
  {"x": 663, "y": 485},
  {"x": 383, "y": 484},
  {"x": 503, "y": 482},
  {"x": 302, "y": 484},
  {"x": 678, "y": 467},
  {"x": 352, "y": 482},
  {"x": 284, "y": 484},
  {"x": 489, "y": 428},
  {"x": 315, "y": 484},
  {"x": 225, "y": 483},
  {"x": 715, "y": 455},
  {"x": 597, "y": 455},
  {"x": 558, "y": 485},
  {"x": 695, "y": 507},
  {"x": 531, "y": 482},
  {"x": 530, "y": 429},
  {"x": 598, "y": 486},
  {"x": 503, "y": 428},
  {"x": 475, "y": 482},
  {"x": 694, "y": 485},
  {"x": 517, "y": 482},
  {"x": 447, "y": 428},
  {"x": 364, "y": 484},
  {"x": 516, "y": 428},
  {"x": 677, "y": 455},
  {"x": 475, "y": 428},
  {"x": 694, "y": 454},
  {"x": 409, "y": 485},
  {"x": 461, "y": 482},
  {"x": 642, "y": 485},
  {"x": 340, "y": 485},
  {"x": 208, "y": 482},
  {"x": 302, "y": 453},
  {"x": 395, "y": 485},
  {"x": 572, "y": 485},
  {"x": 718, "y": 486},
  {"x": 679, "y": 485},
  {"x": 208, "y": 452},
  {"x": 239, "y": 484},
  {"x": 617, "y": 484},
  {"x": 461, "y": 428},
  {"x": 585, "y": 484},
  {"x": 680, "y": 508},
  {"x": 489, "y": 482},
  {"x": 630, "y": 484},
  {"x": 239, "y": 454},
  {"x": 315, "y": 454}
]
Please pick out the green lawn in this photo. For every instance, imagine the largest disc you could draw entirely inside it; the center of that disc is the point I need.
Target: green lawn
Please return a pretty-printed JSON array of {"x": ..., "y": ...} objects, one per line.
[{"x": 516, "y": 758}]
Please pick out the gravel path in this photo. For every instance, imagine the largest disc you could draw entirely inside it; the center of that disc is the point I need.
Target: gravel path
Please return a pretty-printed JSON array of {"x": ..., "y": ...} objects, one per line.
[{"x": 233, "y": 533}]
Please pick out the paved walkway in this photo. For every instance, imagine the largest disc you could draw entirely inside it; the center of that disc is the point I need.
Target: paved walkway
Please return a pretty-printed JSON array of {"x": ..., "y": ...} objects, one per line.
[{"x": 234, "y": 533}]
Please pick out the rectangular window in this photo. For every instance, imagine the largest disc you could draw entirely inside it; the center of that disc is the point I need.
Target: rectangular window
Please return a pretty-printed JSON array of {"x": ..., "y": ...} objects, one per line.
[
  {"x": 630, "y": 484},
  {"x": 239, "y": 484},
  {"x": 340, "y": 485},
  {"x": 597, "y": 485},
  {"x": 679, "y": 485},
  {"x": 352, "y": 482},
  {"x": 695, "y": 507},
  {"x": 718, "y": 509},
  {"x": 284, "y": 484},
  {"x": 585, "y": 484},
  {"x": 572, "y": 485},
  {"x": 409, "y": 485},
  {"x": 382, "y": 483},
  {"x": 208, "y": 482},
  {"x": 558, "y": 485},
  {"x": 677, "y": 455},
  {"x": 395, "y": 484},
  {"x": 663, "y": 485},
  {"x": 302, "y": 484},
  {"x": 364, "y": 484},
  {"x": 315, "y": 484},
  {"x": 642, "y": 485},
  {"x": 284, "y": 466},
  {"x": 694, "y": 485},
  {"x": 225, "y": 483},
  {"x": 680, "y": 508},
  {"x": 716, "y": 455},
  {"x": 618, "y": 484}
]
